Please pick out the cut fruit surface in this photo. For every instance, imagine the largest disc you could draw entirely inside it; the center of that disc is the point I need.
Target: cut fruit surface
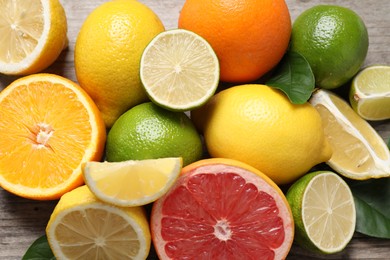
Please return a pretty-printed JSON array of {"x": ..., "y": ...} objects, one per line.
[
  {"x": 179, "y": 70},
  {"x": 132, "y": 183},
  {"x": 359, "y": 152},
  {"x": 49, "y": 128},
  {"x": 222, "y": 209},
  {"x": 82, "y": 227},
  {"x": 370, "y": 93},
  {"x": 324, "y": 212},
  {"x": 33, "y": 35}
]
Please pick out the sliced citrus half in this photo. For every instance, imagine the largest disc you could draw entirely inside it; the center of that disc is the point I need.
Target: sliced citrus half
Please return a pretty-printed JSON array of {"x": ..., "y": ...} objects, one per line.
[
  {"x": 370, "y": 93},
  {"x": 179, "y": 70},
  {"x": 133, "y": 182},
  {"x": 222, "y": 209},
  {"x": 324, "y": 212},
  {"x": 33, "y": 35},
  {"x": 82, "y": 227},
  {"x": 49, "y": 128},
  {"x": 359, "y": 152}
]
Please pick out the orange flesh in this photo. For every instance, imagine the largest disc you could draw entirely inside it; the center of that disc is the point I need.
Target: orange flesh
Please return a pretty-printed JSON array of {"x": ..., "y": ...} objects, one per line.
[
  {"x": 220, "y": 216},
  {"x": 43, "y": 139}
]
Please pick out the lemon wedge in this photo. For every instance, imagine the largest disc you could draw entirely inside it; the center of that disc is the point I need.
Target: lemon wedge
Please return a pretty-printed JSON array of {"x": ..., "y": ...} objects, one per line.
[
  {"x": 359, "y": 152},
  {"x": 133, "y": 182}
]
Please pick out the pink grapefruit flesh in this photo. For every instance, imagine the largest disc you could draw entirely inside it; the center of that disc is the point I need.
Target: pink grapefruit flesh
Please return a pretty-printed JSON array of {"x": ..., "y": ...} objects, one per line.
[{"x": 221, "y": 211}]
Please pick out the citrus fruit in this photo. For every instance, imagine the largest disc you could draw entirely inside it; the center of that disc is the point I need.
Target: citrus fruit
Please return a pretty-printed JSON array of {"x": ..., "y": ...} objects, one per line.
[
  {"x": 222, "y": 209},
  {"x": 148, "y": 131},
  {"x": 179, "y": 70},
  {"x": 33, "y": 35},
  {"x": 249, "y": 37},
  {"x": 370, "y": 93},
  {"x": 324, "y": 212},
  {"x": 82, "y": 227},
  {"x": 108, "y": 53},
  {"x": 49, "y": 128},
  {"x": 334, "y": 40},
  {"x": 358, "y": 151},
  {"x": 258, "y": 125},
  {"x": 131, "y": 183}
]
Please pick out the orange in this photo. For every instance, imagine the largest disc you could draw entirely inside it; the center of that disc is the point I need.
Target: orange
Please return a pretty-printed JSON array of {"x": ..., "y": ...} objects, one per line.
[
  {"x": 222, "y": 209},
  {"x": 49, "y": 128},
  {"x": 249, "y": 36}
]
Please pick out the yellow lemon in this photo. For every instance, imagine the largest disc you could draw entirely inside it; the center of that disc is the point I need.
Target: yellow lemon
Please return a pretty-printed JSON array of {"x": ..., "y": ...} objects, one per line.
[
  {"x": 108, "y": 52},
  {"x": 258, "y": 125},
  {"x": 83, "y": 227},
  {"x": 33, "y": 34}
]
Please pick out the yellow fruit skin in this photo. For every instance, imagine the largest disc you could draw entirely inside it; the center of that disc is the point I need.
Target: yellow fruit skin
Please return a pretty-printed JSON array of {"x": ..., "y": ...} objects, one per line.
[
  {"x": 108, "y": 52},
  {"x": 82, "y": 196},
  {"x": 259, "y": 126},
  {"x": 57, "y": 40}
]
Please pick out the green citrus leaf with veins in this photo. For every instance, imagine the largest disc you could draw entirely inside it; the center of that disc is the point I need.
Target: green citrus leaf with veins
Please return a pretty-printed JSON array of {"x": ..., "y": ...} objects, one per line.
[
  {"x": 39, "y": 250},
  {"x": 294, "y": 77}
]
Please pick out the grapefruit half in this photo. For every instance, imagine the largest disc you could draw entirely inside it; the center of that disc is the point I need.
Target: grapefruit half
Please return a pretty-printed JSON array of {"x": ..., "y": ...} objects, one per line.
[{"x": 222, "y": 209}]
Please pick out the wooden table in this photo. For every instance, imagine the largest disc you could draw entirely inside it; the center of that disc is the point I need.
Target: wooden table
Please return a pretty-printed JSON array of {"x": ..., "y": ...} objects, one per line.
[{"x": 22, "y": 220}]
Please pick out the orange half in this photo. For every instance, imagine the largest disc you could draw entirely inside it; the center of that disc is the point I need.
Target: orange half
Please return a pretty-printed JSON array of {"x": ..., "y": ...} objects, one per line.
[{"x": 49, "y": 127}]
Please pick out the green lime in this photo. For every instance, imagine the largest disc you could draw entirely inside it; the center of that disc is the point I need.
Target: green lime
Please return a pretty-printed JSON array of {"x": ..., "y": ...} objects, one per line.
[
  {"x": 324, "y": 212},
  {"x": 179, "y": 70},
  {"x": 148, "y": 131},
  {"x": 334, "y": 40}
]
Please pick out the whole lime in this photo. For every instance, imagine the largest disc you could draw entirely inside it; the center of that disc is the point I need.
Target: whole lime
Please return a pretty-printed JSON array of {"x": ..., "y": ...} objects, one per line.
[
  {"x": 148, "y": 131},
  {"x": 334, "y": 40}
]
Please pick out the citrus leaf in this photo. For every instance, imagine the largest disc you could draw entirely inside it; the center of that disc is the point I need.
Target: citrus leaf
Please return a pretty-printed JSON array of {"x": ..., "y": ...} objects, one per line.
[
  {"x": 39, "y": 250},
  {"x": 372, "y": 201},
  {"x": 294, "y": 77}
]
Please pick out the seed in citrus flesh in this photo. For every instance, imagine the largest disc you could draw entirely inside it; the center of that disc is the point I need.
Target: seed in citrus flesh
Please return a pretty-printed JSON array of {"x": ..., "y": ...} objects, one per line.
[
  {"x": 324, "y": 212},
  {"x": 83, "y": 227},
  {"x": 131, "y": 183},
  {"x": 179, "y": 70},
  {"x": 222, "y": 209}
]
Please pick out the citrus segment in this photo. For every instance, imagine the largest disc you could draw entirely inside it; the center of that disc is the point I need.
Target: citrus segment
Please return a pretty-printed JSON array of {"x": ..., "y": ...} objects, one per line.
[
  {"x": 222, "y": 209},
  {"x": 370, "y": 93},
  {"x": 358, "y": 150},
  {"x": 131, "y": 183},
  {"x": 324, "y": 212},
  {"x": 179, "y": 70},
  {"x": 33, "y": 35},
  {"x": 50, "y": 126},
  {"x": 82, "y": 227}
]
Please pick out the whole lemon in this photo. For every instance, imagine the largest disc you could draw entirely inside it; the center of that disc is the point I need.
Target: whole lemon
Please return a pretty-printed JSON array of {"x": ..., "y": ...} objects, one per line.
[
  {"x": 258, "y": 125},
  {"x": 148, "y": 131},
  {"x": 108, "y": 52},
  {"x": 334, "y": 40}
]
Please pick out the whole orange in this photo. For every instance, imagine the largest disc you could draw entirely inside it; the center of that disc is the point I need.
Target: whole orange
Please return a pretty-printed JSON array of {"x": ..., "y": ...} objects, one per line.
[{"x": 249, "y": 36}]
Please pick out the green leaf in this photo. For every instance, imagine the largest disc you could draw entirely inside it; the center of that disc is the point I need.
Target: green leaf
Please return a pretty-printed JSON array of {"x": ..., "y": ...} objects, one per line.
[
  {"x": 372, "y": 201},
  {"x": 39, "y": 250},
  {"x": 294, "y": 77}
]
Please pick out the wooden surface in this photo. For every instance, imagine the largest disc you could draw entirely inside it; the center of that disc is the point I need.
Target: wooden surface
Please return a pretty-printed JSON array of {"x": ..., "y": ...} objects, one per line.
[{"x": 22, "y": 221}]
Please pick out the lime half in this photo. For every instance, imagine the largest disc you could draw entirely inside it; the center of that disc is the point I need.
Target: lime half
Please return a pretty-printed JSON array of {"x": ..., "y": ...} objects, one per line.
[
  {"x": 359, "y": 152},
  {"x": 370, "y": 93},
  {"x": 179, "y": 70},
  {"x": 324, "y": 212}
]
